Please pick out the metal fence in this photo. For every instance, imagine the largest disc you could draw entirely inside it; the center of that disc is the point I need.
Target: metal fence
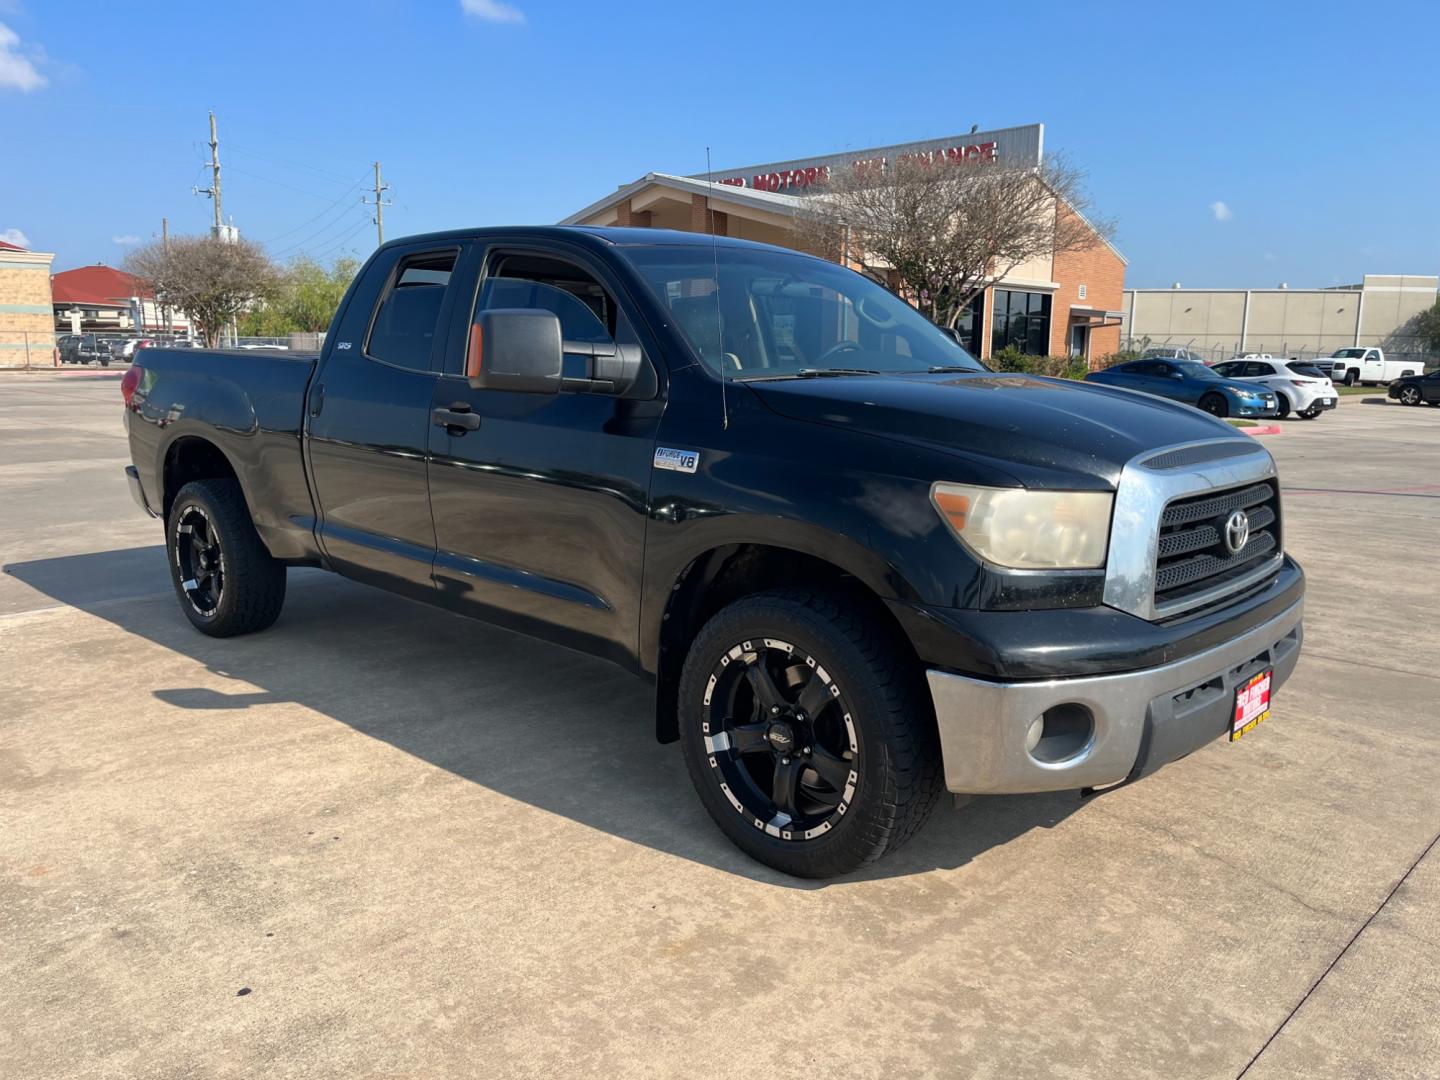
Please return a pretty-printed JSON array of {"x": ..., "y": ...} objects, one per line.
[
  {"x": 25, "y": 350},
  {"x": 1214, "y": 354}
]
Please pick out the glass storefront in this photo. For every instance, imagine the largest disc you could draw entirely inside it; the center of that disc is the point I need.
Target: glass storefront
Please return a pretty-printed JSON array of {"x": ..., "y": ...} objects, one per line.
[{"x": 1020, "y": 320}]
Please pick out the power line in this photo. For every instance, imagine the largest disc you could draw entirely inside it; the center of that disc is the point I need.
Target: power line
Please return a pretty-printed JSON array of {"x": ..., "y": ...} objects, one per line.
[
  {"x": 343, "y": 196},
  {"x": 324, "y": 174},
  {"x": 324, "y": 229},
  {"x": 278, "y": 183},
  {"x": 339, "y": 243}
]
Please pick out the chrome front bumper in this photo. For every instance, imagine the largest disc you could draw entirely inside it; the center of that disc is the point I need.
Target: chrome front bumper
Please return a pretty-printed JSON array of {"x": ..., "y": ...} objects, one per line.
[{"x": 1141, "y": 719}]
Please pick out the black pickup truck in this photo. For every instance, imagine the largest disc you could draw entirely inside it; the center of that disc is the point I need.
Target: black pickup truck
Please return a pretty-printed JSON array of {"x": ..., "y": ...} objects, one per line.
[{"x": 858, "y": 567}]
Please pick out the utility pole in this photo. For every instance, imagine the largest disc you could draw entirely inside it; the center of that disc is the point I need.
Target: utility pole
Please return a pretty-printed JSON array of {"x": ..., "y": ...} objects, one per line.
[
  {"x": 165, "y": 323},
  {"x": 380, "y": 203},
  {"x": 214, "y": 189}
]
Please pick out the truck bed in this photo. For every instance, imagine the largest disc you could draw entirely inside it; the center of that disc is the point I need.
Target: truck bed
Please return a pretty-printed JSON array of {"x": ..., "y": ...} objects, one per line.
[{"x": 251, "y": 402}]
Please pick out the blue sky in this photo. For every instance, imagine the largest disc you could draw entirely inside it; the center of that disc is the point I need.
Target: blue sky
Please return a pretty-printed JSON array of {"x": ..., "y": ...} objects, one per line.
[{"x": 1235, "y": 144}]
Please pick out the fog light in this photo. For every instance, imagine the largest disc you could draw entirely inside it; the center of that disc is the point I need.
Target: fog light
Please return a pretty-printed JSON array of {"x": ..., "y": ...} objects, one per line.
[
  {"x": 1060, "y": 733},
  {"x": 1032, "y": 737}
]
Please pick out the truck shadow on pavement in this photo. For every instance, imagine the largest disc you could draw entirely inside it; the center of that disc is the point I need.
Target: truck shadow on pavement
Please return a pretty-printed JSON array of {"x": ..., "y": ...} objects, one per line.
[{"x": 560, "y": 731}]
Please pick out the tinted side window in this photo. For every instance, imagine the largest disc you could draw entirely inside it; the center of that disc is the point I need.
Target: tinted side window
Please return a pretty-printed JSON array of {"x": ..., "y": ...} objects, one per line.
[
  {"x": 586, "y": 310},
  {"x": 409, "y": 311},
  {"x": 578, "y": 321},
  {"x": 1227, "y": 371}
]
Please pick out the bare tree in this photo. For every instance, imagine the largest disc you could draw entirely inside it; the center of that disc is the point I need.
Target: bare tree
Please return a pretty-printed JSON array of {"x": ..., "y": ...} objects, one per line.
[
  {"x": 942, "y": 230},
  {"x": 213, "y": 281}
]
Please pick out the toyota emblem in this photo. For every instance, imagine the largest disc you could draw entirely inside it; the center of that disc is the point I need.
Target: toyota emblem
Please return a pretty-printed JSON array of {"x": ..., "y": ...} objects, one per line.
[{"x": 1237, "y": 531}]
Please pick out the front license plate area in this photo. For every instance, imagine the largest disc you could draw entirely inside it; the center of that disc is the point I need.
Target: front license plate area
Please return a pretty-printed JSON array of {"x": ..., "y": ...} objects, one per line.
[{"x": 1252, "y": 703}]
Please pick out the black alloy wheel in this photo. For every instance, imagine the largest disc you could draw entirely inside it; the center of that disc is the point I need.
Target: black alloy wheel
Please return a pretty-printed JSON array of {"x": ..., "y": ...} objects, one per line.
[
  {"x": 807, "y": 731},
  {"x": 1410, "y": 395},
  {"x": 781, "y": 739},
  {"x": 199, "y": 560},
  {"x": 1284, "y": 405},
  {"x": 1215, "y": 405},
  {"x": 226, "y": 580}
]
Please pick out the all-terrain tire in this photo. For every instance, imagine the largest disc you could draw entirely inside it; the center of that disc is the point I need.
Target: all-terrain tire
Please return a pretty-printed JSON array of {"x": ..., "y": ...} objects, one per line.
[
  {"x": 877, "y": 687},
  {"x": 253, "y": 582}
]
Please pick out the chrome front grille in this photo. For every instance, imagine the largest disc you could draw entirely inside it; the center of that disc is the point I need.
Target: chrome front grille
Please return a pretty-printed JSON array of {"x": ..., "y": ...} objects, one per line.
[
  {"x": 1168, "y": 554},
  {"x": 1194, "y": 564}
]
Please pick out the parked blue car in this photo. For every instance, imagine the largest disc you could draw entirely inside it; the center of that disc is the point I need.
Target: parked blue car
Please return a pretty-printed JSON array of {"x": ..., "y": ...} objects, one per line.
[{"x": 1190, "y": 382}]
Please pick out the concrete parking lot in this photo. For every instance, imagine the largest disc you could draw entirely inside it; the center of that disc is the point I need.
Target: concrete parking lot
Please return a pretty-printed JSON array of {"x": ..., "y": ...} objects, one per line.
[{"x": 378, "y": 840}]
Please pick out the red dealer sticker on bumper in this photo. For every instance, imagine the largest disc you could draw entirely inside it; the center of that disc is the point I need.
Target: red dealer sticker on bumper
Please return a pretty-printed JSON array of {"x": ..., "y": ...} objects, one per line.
[{"x": 1252, "y": 704}]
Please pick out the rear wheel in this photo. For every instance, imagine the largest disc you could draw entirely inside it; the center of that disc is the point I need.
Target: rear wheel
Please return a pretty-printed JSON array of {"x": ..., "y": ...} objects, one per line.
[
  {"x": 226, "y": 581},
  {"x": 1410, "y": 396},
  {"x": 1215, "y": 405},
  {"x": 806, "y": 733}
]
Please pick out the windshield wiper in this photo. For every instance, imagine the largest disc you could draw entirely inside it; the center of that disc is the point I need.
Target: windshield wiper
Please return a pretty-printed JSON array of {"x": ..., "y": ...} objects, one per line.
[
  {"x": 951, "y": 369},
  {"x": 812, "y": 373}
]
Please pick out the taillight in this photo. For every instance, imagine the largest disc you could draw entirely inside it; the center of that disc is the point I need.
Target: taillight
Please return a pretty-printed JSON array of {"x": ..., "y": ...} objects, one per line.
[{"x": 130, "y": 382}]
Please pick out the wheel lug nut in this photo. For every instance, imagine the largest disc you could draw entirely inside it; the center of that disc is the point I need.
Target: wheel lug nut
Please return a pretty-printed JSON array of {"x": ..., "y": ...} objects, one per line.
[{"x": 774, "y": 710}]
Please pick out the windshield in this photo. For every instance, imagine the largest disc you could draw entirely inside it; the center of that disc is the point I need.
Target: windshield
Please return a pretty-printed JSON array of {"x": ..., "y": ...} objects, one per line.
[
  {"x": 1193, "y": 369},
  {"x": 780, "y": 314},
  {"x": 1347, "y": 354}
]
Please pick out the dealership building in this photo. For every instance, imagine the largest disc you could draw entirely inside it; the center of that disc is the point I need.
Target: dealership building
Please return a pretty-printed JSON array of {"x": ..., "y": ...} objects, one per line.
[
  {"x": 1221, "y": 323},
  {"x": 1066, "y": 303},
  {"x": 27, "y": 335}
]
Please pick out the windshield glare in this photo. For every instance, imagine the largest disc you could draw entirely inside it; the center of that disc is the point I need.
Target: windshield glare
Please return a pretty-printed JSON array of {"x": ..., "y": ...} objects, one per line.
[{"x": 780, "y": 314}]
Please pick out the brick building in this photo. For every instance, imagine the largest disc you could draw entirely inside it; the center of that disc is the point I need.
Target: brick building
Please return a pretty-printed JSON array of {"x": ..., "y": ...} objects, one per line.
[
  {"x": 1063, "y": 304},
  {"x": 102, "y": 299},
  {"x": 26, "y": 320}
]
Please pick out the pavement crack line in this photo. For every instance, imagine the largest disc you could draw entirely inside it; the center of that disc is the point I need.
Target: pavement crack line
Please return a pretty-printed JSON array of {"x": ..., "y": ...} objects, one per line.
[
  {"x": 1191, "y": 846},
  {"x": 1377, "y": 667},
  {"x": 1339, "y": 956}
]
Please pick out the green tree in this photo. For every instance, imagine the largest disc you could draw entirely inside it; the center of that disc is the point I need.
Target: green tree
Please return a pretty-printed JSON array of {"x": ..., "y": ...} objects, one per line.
[
  {"x": 213, "y": 281},
  {"x": 1427, "y": 326},
  {"x": 304, "y": 298}
]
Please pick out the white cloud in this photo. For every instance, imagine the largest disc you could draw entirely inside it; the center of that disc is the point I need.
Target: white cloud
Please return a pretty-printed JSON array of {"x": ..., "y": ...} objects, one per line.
[
  {"x": 16, "y": 237},
  {"x": 1221, "y": 211},
  {"x": 16, "y": 71},
  {"x": 492, "y": 11},
  {"x": 125, "y": 239}
]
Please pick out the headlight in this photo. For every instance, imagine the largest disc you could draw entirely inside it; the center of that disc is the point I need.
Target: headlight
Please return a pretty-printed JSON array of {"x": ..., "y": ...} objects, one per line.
[{"x": 1028, "y": 530}]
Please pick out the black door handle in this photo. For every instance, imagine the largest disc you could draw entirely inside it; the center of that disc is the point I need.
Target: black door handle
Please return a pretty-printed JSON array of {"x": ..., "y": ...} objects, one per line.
[{"x": 457, "y": 419}]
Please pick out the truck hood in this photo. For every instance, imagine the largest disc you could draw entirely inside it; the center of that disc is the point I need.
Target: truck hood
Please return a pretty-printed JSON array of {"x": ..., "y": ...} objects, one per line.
[{"x": 1019, "y": 424}]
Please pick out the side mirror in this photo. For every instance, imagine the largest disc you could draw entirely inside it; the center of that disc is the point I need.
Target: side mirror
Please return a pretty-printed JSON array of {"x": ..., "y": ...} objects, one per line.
[
  {"x": 521, "y": 349},
  {"x": 515, "y": 349}
]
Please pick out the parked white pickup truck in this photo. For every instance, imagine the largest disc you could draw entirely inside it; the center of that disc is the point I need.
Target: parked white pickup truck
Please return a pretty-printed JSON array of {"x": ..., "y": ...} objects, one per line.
[{"x": 1364, "y": 365}]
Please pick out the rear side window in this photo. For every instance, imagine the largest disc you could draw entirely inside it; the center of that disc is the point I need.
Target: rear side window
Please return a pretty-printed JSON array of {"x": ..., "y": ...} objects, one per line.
[{"x": 408, "y": 315}]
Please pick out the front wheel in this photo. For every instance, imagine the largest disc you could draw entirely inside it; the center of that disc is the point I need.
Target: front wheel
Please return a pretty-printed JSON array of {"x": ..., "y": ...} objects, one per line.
[
  {"x": 1284, "y": 405},
  {"x": 1410, "y": 396},
  {"x": 807, "y": 733},
  {"x": 1215, "y": 405},
  {"x": 1351, "y": 377},
  {"x": 226, "y": 581}
]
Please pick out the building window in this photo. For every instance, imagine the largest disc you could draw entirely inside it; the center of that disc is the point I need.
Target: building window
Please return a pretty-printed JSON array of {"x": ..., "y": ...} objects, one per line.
[
  {"x": 1021, "y": 320},
  {"x": 971, "y": 322}
]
